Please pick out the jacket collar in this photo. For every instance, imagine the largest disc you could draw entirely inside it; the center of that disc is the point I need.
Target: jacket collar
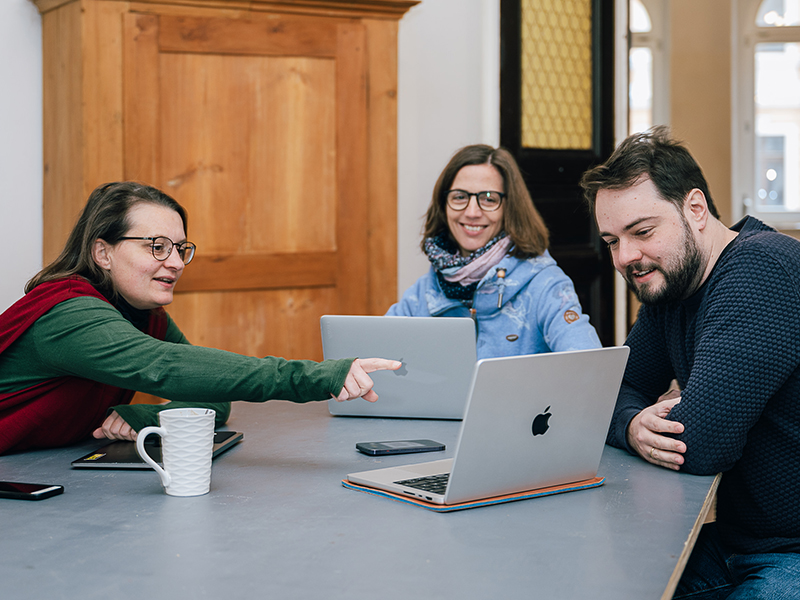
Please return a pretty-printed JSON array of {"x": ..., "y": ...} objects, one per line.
[{"x": 518, "y": 275}]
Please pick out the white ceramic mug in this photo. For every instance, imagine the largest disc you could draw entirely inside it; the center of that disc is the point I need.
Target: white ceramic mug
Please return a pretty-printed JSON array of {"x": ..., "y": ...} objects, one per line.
[{"x": 187, "y": 441}]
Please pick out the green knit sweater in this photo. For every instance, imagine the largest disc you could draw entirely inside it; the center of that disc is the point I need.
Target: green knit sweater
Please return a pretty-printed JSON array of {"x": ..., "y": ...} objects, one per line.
[{"x": 86, "y": 337}]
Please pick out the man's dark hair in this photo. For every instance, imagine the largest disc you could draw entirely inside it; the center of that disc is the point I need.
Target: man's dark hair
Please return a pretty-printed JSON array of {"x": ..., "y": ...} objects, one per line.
[{"x": 650, "y": 155}]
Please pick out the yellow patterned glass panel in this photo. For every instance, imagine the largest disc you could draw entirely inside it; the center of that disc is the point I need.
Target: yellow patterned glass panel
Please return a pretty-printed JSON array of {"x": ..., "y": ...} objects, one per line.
[{"x": 557, "y": 74}]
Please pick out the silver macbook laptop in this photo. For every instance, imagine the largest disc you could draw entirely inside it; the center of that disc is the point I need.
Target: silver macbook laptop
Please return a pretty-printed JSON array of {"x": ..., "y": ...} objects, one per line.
[
  {"x": 438, "y": 356},
  {"x": 532, "y": 422}
]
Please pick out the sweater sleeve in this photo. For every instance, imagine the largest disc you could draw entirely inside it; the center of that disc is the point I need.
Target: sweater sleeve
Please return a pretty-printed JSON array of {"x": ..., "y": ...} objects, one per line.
[
  {"x": 647, "y": 376},
  {"x": 746, "y": 351},
  {"x": 140, "y": 415},
  {"x": 88, "y": 338}
]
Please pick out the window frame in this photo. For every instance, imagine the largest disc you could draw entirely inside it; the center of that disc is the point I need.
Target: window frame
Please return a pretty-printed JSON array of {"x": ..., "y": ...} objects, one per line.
[
  {"x": 657, "y": 41},
  {"x": 746, "y": 34}
]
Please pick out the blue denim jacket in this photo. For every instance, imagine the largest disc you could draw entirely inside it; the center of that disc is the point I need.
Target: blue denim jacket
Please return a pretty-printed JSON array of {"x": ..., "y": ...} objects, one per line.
[{"x": 539, "y": 310}]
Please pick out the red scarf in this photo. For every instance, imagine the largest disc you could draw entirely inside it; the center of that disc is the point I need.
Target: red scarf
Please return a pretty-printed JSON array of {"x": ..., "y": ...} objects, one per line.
[{"x": 64, "y": 410}]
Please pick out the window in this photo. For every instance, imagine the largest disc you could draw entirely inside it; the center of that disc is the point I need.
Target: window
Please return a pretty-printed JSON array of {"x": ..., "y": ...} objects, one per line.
[
  {"x": 648, "y": 96},
  {"x": 648, "y": 77},
  {"x": 767, "y": 131}
]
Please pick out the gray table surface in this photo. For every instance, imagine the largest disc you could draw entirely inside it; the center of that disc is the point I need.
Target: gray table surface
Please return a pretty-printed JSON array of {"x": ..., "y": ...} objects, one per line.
[{"x": 278, "y": 524}]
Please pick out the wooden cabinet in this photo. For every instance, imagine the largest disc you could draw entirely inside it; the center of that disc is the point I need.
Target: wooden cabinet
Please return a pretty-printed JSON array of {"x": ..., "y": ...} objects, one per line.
[{"x": 273, "y": 123}]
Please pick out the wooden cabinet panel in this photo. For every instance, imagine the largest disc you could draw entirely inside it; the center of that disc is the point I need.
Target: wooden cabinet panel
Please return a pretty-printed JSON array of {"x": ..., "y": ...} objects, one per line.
[
  {"x": 246, "y": 322},
  {"x": 266, "y": 149},
  {"x": 278, "y": 36},
  {"x": 274, "y": 123}
]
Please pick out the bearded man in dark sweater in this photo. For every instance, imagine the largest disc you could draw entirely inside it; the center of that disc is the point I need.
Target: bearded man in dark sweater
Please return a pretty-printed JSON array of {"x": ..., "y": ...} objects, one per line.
[{"x": 721, "y": 316}]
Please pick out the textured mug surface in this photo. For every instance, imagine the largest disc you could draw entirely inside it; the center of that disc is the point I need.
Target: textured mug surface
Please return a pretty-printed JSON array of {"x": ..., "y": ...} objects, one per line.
[{"x": 187, "y": 441}]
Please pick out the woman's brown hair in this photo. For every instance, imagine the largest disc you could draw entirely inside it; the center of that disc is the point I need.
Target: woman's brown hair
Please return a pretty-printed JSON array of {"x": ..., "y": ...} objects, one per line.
[
  {"x": 521, "y": 221},
  {"x": 105, "y": 216}
]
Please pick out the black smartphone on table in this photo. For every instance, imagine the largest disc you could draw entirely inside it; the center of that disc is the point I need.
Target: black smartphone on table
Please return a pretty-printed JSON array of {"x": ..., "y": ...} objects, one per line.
[
  {"x": 29, "y": 491},
  {"x": 398, "y": 447}
]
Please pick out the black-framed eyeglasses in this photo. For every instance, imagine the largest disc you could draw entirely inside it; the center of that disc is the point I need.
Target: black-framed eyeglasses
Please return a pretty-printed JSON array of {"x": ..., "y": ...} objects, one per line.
[
  {"x": 487, "y": 201},
  {"x": 162, "y": 247}
]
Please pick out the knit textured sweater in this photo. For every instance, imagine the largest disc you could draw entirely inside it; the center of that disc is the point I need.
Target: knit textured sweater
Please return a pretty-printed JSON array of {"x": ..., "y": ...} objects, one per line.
[{"x": 734, "y": 349}]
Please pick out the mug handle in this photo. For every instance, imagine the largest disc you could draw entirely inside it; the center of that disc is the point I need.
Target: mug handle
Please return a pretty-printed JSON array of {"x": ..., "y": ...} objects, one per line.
[{"x": 165, "y": 478}]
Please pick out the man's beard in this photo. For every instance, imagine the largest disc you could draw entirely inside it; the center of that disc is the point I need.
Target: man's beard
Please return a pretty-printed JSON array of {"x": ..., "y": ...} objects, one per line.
[{"x": 681, "y": 275}]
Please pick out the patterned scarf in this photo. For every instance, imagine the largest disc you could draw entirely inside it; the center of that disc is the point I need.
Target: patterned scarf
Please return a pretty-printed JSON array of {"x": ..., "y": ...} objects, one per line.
[{"x": 459, "y": 275}]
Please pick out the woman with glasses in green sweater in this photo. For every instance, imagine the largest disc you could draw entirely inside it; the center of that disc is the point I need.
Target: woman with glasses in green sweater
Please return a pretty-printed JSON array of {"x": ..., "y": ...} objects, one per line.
[{"x": 91, "y": 330}]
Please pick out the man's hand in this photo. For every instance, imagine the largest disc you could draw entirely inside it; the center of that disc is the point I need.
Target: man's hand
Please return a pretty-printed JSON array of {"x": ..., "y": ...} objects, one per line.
[
  {"x": 358, "y": 384},
  {"x": 115, "y": 428},
  {"x": 673, "y": 393},
  {"x": 645, "y": 429}
]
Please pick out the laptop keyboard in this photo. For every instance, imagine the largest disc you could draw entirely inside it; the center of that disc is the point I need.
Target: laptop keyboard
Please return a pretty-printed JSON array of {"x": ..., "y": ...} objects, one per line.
[{"x": 436, "y": 484}]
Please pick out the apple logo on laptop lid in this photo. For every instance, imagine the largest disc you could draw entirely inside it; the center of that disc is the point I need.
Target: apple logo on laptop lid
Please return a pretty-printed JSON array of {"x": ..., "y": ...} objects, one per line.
[
  {"x": 402, "y": 371},
  {"x": 540, "y": 422}
]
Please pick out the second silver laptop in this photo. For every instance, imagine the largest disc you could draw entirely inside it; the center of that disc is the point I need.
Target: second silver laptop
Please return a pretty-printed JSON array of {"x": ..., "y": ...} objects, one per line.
[{"x": 438, "y": 356}]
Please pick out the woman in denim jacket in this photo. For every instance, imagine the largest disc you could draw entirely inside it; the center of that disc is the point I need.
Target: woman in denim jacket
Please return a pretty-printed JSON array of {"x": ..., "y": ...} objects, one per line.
[{"x": 487, "y": 245}]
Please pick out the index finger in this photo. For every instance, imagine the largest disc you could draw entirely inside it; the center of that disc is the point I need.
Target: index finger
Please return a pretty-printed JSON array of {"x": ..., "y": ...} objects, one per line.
[
  {"x": 656, "y": 417},
  {"x": 379, "y": 364},
  {"x": 663, "y": 407}
]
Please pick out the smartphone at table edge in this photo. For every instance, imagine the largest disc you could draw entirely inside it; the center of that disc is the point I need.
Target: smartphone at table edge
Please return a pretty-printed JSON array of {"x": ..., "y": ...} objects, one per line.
[
  {"x": 398, "y": 447},
  {"x": 29, "y": 491}
]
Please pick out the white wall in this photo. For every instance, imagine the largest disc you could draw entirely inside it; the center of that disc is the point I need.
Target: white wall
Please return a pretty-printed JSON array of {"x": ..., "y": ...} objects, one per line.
[
  {"x": 448, "y": 97},
  {"x": 20, "y": 146}
]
